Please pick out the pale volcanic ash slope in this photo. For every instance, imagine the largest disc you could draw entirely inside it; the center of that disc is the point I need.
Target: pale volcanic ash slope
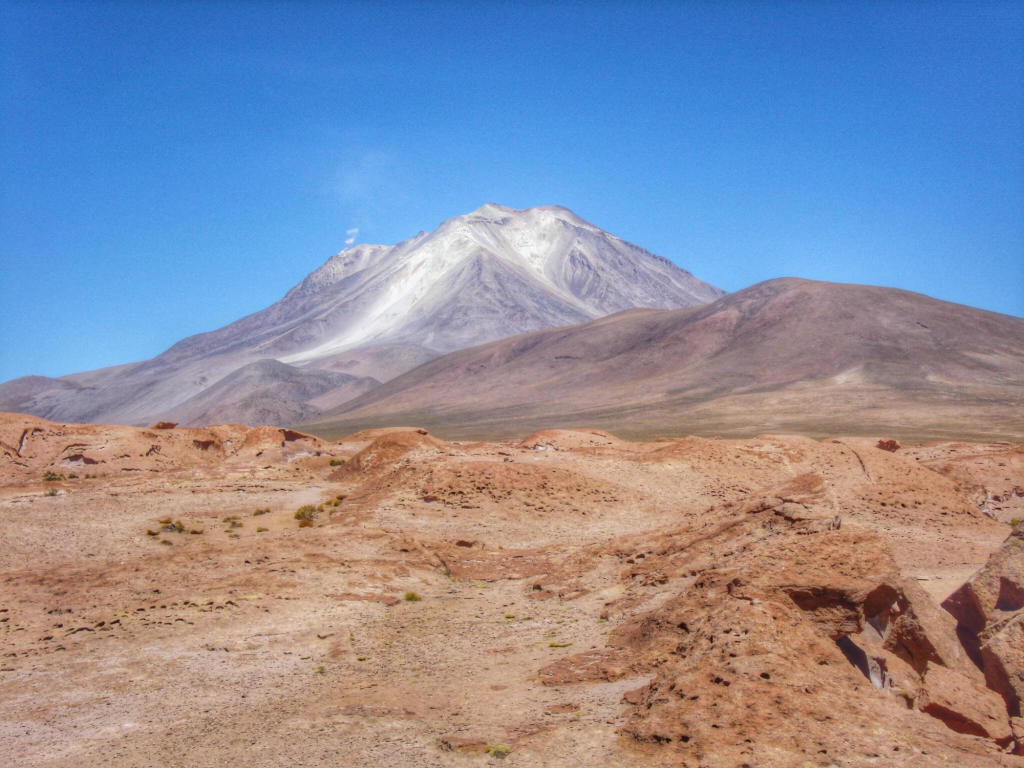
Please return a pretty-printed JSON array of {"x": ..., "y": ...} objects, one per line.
[{"x": 374, "y": 312}]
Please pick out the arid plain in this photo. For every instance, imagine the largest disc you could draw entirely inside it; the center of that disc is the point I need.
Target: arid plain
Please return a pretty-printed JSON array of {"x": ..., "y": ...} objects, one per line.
[{"x": 568, "y": 598}]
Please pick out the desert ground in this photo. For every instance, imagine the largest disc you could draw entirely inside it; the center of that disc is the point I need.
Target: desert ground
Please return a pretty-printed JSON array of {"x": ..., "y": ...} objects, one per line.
[{"x": 568, "y": 598}]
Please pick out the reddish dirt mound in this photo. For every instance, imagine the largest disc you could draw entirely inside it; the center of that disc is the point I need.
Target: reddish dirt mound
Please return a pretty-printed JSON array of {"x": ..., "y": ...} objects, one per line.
[
  {"x": 385, "y": 453},
  {"x": 29, "y": 446},
  {"x": 570, "y": 439},
  {"x": 534, "y": 488},
  {"x": 989, "y": 475}
]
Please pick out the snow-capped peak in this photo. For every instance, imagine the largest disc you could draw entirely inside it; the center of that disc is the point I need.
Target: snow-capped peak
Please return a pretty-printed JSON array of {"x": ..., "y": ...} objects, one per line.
[{"x": 549, "y": 260}]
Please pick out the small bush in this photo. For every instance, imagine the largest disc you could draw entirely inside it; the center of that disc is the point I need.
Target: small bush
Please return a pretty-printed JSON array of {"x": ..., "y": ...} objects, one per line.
[
  {"x": 50, "y": 477},
  {"x": 229, "y": 518},
  {"x": 320, "y": 670},
  {"x": 341, "y": 497},
  {"x": 196, "y": 532},
  {"x": 259, "y": 512},
  {"x": 307, "y": 513},
  {"x": 167, "y": 543},
  {"x": 337, "y": 462},
  {"x": 176, "y": 527},
  {"x": 556, "y": 644},
  {"x": 305, "y": 523},
  {"x": 1015, "y": 522},
  {"x": 235, "y": 524},
  {"x": 412, "y": 597},
  {"x": 50, "y": 492},
  {"x": 72, "y": 477},
  {"x": 500, "y": 751},
  {"x": 262, "y": 530},
  {"x": 164, "y": 521},
  {"x": 152, "y": 533}
]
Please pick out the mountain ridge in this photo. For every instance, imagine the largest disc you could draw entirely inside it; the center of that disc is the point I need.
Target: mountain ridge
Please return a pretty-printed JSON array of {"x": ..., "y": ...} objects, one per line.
[
  {"x": 375, "y": 311},
  {"x": 786, "y": 354}
]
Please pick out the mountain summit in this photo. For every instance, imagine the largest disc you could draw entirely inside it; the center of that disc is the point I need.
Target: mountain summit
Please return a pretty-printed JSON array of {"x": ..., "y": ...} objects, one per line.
[{"x": 374, "y": 312}]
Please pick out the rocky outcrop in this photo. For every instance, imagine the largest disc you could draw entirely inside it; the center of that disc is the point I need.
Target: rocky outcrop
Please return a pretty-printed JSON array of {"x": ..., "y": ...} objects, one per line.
[
  {"x": 963, "y": 705},
  {"x": 770, "y": 615},
  {"x": 989, "y": 610}
]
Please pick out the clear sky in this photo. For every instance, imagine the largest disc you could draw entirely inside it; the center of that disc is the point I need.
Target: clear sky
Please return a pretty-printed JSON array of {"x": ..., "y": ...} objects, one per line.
[{"x": 169, "y": 168}]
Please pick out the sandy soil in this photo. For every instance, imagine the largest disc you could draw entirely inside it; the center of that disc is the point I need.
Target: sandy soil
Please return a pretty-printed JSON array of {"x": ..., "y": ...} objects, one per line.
[{"x": 260, "y": 642}]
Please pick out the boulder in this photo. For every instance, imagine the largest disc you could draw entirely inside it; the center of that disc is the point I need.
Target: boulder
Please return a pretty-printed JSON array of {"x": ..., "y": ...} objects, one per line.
[
  {"x": 1002, "y": 656},
  {"x": 993, "y": 592},
  {"x": 989, "y": 610},
  {"x": 964, "y": 705}
]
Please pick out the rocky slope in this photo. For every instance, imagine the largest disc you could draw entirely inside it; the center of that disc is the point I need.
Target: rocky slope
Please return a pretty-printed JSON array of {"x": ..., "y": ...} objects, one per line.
[
  {"x": 376, "y": 311},
  {"x": 785, "y": 355}
]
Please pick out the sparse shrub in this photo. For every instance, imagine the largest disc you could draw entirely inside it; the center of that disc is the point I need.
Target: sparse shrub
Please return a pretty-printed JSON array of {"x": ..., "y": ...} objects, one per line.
[
  {"x": 164, "y": 521},
  {"x": 176, "y": 527},
  {"x": 235, "y": 524},
  {"x": 341, "y": 497},
  {"x": 196, "y": 532},
  {"x": 259, "y": 512},
  {"x": 50, "y": 492},
  {"x": 556, "y": 644},
  {"x": 305, "y": 523},
  {"x": 229, "y": 518},
  {"x": 320, "y": 670},
  {"x": 412, "y": 597},
  {"x": 1015, "y": 522},
  {"x": 500, "y": 751},
  {"x": 51, "y": 477},
  {"x": 167, "y": 543},
  {"x": 262, "y": 530},
  {"x": 306, "y": 513},
  {"x": 72, "y": 477},
  {"x": 152, "y": 533},
  {"x": 337, "y": 462}
]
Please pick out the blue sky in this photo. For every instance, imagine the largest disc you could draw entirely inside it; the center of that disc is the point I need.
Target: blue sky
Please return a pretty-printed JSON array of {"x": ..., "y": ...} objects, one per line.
[{"x": 169, "y": 168}]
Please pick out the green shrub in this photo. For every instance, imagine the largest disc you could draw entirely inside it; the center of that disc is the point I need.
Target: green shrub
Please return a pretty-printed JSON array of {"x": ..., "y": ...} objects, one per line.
[
  {"x": 337, "y": 462},
  {"x": 307, "y": 512},
  {"x": 262, "y": 530},
  {"x": 1015, "y": 522},
  {"x": 259, "y": 512},
  {"x": 50, "y": 477},
  {"x": 412, "y": 597},
  {"x": 500, "y": 751}
]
